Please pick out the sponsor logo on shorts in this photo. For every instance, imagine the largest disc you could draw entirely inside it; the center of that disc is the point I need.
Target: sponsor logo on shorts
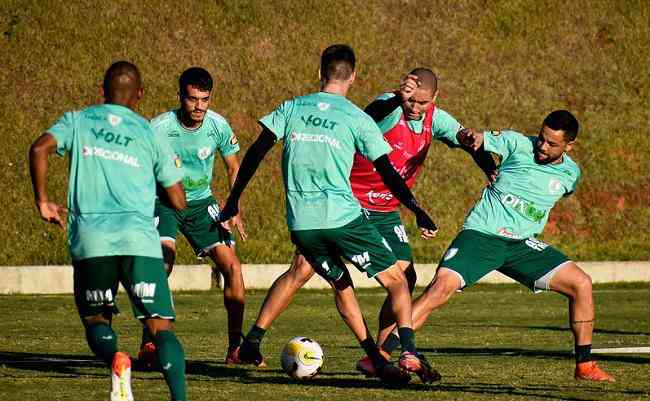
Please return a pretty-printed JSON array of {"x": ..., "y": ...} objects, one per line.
[
  {"x": 363, "y": 260},
  {"x": 144, "y": 291},
  {"x": 325, "y": 266},
  {"x": 451, "y": 252},
  {"x": 536, "y": 244},
  {"x": 400, "y": 231},
  {"x": 99, "y": 297},
  {"x": 95, "y": 151},
  {"x": 213, "y": 211}
]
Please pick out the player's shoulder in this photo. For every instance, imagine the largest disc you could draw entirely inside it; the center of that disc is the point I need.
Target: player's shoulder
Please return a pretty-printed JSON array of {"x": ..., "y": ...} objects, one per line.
[
  {"x": 441, "y": 114},
  {"x": 571, "y": 166},
  {"x": 216, "y": 119},
  {"x": 163, "y": 119}
]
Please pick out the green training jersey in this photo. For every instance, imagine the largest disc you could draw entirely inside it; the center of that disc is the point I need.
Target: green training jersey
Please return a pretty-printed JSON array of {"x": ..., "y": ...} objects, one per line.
[
  {"x": 443, "y": 126},
  {"x": 518, "y": 204},
  {"x": 115, "y": 161},
  {"x": 196, "y": 148},
  {"x": 321, "y": 133}
]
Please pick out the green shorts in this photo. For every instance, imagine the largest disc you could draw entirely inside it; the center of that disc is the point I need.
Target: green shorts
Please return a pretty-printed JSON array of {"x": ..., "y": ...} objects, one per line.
[
  {"x": 531, "y": 262},
  {"x": 357, "y": 241},
  {"x": 143, "y": 278},
  {"x": 389, "y": 225},
  {"x": 196, "y": 224}
]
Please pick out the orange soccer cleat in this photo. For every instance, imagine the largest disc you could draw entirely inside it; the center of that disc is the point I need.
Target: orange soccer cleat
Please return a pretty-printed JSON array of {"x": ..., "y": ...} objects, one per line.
[
  {"x": 121, "y": 377},
  {"x": 418, "y": 364},
  {"x": 590, "y": 371}
]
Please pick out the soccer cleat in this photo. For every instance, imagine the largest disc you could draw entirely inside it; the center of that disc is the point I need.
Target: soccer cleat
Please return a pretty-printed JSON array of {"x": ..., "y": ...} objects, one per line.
[
  {"x": 121, "y": 378},
  {"x": 249, "y": 353},
  {"x": 418, "y": 364},
  {"x": 391, "y": 375},
  {"x": 147, "y": 358},
  {"x": 232, "y": 357},
  {"x": 367, "y": 368},
  {"x": 590, "y": 371}
]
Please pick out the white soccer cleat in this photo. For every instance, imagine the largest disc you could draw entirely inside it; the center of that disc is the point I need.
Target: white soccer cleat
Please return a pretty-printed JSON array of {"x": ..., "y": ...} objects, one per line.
[{"x": 121, "y": 378}]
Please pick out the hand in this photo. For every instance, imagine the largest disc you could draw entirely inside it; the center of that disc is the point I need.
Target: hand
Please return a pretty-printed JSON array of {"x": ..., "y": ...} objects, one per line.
[
  {"x": 407, "y": 86},
  {"x": 428, "y": 228},
  {"x": 470, "y": 138},
  {"x": 237, "y": 222},
  {"x": 51, "y": 212}
]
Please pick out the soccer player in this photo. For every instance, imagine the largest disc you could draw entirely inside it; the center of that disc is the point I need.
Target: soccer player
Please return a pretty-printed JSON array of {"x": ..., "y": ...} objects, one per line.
[
  {"x": 115, "y": 162},
  {"x": 322, "y": 132},
  {"x": 409, "y": 120},
  {"x": 500, "y": 231},
  {"x": 196, "y": 135}
]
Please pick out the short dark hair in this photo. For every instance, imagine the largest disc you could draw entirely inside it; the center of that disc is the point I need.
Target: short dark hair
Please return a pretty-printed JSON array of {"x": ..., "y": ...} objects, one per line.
[
  {"x": 427, "y": 78},
  {"x": 337, "y": 63},
  {"x": 563, "y": 120},
  {"x": 122, "y": 79},
  {"x": 197, "y": 77}
]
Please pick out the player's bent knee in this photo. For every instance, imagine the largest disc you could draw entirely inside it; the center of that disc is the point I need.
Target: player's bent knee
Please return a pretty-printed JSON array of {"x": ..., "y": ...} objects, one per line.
[
  {"x": 446, "y": 282},
  {"x": 156, "y": 325}
]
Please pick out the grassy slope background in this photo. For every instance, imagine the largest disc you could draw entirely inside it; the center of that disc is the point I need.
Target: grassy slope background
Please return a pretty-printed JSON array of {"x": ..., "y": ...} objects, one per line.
[{"x": 501, "y": 64}]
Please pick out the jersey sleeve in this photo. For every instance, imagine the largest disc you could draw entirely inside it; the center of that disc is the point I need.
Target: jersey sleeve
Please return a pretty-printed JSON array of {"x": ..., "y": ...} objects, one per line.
[
  {"x": 63, "y": 132},
  {"x": 444, "y": 128},
  {"x": 503, "y": 143},
  {"x": 228, "y": 143},
  {"x": 369, "y": 141},
  {"x": 392, "y": 119},
  {"x": 277, "y": 120},
  {"x": 167, "y": 165},
  {"x": 574, "y": 186}
]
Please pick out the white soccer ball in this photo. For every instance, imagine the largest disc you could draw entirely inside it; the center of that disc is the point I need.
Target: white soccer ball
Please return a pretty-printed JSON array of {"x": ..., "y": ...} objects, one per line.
[{"x": 302, "y": 358}]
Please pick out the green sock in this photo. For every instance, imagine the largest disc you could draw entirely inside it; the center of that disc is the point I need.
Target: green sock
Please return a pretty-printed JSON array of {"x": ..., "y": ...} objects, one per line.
[
  {"x": 255, "y": 334},
  {"x": 146, "y": 336},
  {"x": 406, "y": 338},
  {"x": 391, "y": 344},
  {"x": 102, "y": 341},
  {"x": 172, "y": 360}
]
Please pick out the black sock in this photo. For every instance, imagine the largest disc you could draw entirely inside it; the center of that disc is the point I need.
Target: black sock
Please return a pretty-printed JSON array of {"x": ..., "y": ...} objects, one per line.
[
  {"x": 406, "y": 337},
  {"x": 255, "y": 335},
  {"x": 372, "y": 351},
  {"x": 583, "y": 353},
  {"x": 391, "y": 344},
  {"x": 234, "y": 339}
]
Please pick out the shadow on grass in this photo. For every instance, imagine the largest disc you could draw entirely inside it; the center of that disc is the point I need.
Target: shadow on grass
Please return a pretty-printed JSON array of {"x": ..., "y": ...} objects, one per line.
[
  {"x": 528, "y": 353},
  {"x": 48, "y": 363}
]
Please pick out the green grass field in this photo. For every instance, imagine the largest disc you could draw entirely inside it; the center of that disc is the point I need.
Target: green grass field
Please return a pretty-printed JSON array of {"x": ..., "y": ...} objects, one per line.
[
  {"x": 492, "y": 342},
  {"x": 501, "y": 64}
]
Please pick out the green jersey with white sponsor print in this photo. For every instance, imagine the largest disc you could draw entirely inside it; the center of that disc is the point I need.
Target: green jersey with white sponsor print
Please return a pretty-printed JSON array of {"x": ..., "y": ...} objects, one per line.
[
  {"x": 518, "y": 204},
  {"x": 321, "y": 133},
  {"x": 443, "y": 126},
  {"x": 196, "y": 148},
  {"x": 115, "y": 161}
]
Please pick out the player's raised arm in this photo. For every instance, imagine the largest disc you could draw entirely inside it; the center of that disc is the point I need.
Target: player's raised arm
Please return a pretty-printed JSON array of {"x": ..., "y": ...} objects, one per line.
[
  {"x": 38, "y": 153},
  {"x": 252, "y": 159},
  {"x": 471, "y": 140},
  {"x": 382, "y": 108},
  {"x": 399, "y": 188}
]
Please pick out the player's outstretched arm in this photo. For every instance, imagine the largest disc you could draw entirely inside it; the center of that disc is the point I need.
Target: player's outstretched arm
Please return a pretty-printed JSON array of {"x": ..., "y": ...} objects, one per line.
[
  {"x": 471, "y": 140},
  {"x": 252, "y": 159},
  {"x": 38, "y": 153},
  {"x": 398, "y": 187}
]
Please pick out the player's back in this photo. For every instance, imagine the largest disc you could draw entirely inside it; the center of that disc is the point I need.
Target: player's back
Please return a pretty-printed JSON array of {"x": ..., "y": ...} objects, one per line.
[
  {"x": 111, "y": 190},
  {"x": 321, "y": 132}
]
